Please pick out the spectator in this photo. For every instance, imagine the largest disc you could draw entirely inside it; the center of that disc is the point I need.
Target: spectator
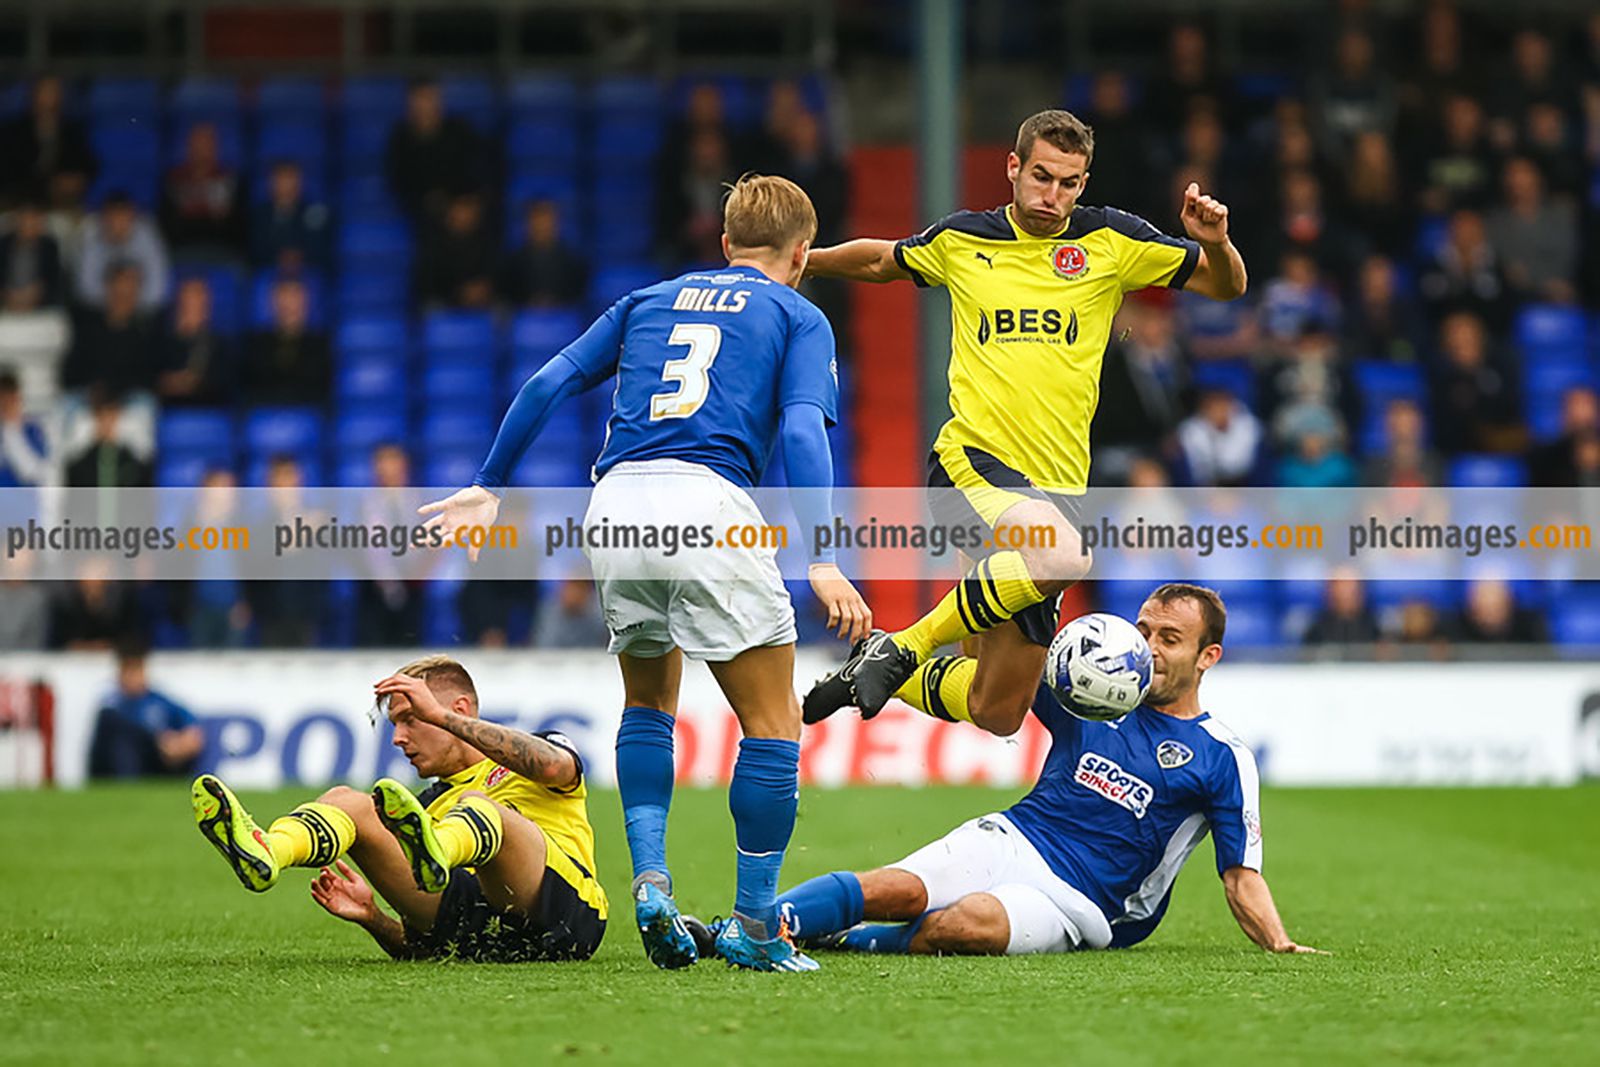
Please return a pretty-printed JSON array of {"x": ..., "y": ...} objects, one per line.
[
  {"x": 114, "y": 349},
  {"x": 1221, "y": 443},
  {"x": 689, "y": 208},
  {"x": 1356, "y": 97},
  {"x": 1457, "y": 171},
  {"x": 1374, "y": 200},
  {"x": 1465, "y": 274},
  {"x": 213, "y": 607},
  {"x": 456, "y": 261},
  {"x": 1297, "y": 300},
  {"x": 1491, "y": 616},
  {"x": 1441, "y": 74},
  {"x": 1345, "y": 617},
  {"x": 705, "y": 111},
  {"x": 1547, "y": 140},
  {"x": 1405, "y": 459},
  {"x": 810, "y": 163},
  {"x": 24, "y": 444},
  {"x": 1534, "y": 77},
  {"x": 1535, "y": 240},
  {"x": 1475, "y": 403},
  {"x": 488, "y": 607},
  {"x": 107, "y": 463},
  {"x": 569, "y": 616},
  {"x": 289, "y": 362},
  {"x": 1416, "y": 630},
  {"x": 200, "y": 211},
  {"x": 30, "y": 263},
  {"x": 1381, "y": 322},
  {"x": 1188, "y": 78},
  {"x": 25, "y": 606},
  {"x": 1121, "y": 156},
  {"x": 287, "y": 612},
  {"x": 1142, "y": 388},
  {"x": 432, "y": 156},
  {"x": 1302, "y": 224},
  {"x": 770, "y": 149},
  {"x": 198, "y": 364},
  {"x": 95, "y": 613},
  {"x": 545, "y": 271},
  {"x": 1316, "y": 459},
  {"x": 388, "y": 606},
  {"x": 45, "y": 150},
  {"x": 119, "y": 234},
  {"x": 140, "y": 732},
  {"x": 289, "y": 233},
  {"x": 1554, "y": 465}
]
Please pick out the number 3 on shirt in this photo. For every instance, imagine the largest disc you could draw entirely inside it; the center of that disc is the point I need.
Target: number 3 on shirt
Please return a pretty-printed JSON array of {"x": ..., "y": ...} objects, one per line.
[{"x": 692, "y": 372}]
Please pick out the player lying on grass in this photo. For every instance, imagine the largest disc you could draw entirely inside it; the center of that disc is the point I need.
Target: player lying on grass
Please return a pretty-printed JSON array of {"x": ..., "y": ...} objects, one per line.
[
  {"x": 711, "y": 369},
  {"x": 1034, "y": 287},
  {"x": 494, "y": 862},
  {"x": 1089, "y": 857}
]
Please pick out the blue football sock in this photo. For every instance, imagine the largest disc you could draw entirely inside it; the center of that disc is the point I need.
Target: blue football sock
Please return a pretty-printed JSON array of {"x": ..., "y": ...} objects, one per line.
[
  {"x": 644, "y": 778},
  {"x": 893, "y": 938},
  {"x": 823, "y": 905},
  {"x": 763, "y": 797}
]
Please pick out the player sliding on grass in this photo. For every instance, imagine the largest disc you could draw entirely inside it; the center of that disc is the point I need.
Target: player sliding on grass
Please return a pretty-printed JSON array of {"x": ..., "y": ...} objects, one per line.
[
  {"x": 494, "y": 862},
  {"x": 711, "y": 368},
  {"x": 1034, "y": 287},
  {"x": 1089, "y": 857}
]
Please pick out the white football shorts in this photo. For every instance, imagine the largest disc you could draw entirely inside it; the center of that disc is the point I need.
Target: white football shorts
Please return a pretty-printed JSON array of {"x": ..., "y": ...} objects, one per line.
[
  {"x": 989, "y": 855},
  {"x": 713, "y": 603}
]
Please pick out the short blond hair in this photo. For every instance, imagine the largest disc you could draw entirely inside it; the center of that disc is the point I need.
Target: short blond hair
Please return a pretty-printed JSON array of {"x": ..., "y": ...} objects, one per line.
[
  {"x": 765, "y": 211},
  {"x": 442, "y": 674}
]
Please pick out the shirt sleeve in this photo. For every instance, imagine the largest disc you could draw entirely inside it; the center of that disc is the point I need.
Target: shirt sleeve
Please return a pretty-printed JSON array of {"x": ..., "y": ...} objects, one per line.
[
  {"x": 810, "y": 369},
  {"x": 923, "y": 256},
  {"x": 1235, "y": 812},
  {"x": 1149, "y": 257},
  {"x": 178, "y": 717}
]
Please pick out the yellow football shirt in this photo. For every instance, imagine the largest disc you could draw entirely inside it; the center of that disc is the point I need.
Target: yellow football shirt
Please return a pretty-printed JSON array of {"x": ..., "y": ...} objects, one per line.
[
  {"x": 1030, "y": 321},
  {"x": 563, "y": 815}
]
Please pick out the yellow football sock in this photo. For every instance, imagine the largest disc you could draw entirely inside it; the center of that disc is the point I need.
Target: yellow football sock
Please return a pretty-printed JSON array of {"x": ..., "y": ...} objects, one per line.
[
  {"x": 470, "y": 832},
  {"x": 995, "y": 589},
  {"x": 940, "y": 687},
  {"x": 312, "y": 835}
]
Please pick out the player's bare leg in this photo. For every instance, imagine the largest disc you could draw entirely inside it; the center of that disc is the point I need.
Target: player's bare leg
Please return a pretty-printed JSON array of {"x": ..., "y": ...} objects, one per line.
[
  {"x": 512, "y": 878},
  {"x": 1006, "y": 679},
  {"x": 975, "y": 925},
  {"x": 645, "y": 772},
  {"x": 381, "y": 860}
]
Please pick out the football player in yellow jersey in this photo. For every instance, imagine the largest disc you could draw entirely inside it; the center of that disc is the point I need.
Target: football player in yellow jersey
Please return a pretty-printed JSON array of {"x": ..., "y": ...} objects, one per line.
[
  {"x": 1034, "y": 287},
  {"x": 494, "y": 862}
]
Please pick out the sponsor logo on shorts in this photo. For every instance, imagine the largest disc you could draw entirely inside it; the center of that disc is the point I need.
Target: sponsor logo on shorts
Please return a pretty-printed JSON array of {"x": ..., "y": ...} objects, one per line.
[
  {"x": 1173, "y": 754},
  {"x": 1106, "y": 777}
]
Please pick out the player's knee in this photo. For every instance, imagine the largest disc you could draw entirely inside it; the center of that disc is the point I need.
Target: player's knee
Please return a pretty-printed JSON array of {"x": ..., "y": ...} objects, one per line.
[
  {"x": 1065, "y": 562},
  {"x": 348, "y": 800},
  {"x": 891, "y": 892},
  {"x": 975, "y": 925}
]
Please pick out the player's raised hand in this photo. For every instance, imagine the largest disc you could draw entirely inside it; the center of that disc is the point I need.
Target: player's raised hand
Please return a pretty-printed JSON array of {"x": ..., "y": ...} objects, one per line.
[
  {"x": 425, "y": 707},
  {"x": 473, "y": 506},
  {"x": 348, "y": 897},
  {"x": 848, "y": 614},
  {"x": 1205, "y": 218}
]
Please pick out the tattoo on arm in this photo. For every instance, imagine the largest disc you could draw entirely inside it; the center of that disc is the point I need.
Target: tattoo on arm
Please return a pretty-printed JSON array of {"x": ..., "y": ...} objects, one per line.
[{"x": 532, "y": 757}]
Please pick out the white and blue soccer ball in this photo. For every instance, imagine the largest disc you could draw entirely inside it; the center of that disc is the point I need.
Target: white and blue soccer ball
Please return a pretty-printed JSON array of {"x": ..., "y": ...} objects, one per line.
[{"x": 1099, "y": 667}]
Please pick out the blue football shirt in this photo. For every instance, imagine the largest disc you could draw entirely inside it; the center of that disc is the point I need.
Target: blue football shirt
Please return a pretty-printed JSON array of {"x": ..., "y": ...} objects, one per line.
[
  {"x": 1120, "y": 806},
  {"x": 705, "y": 364}
]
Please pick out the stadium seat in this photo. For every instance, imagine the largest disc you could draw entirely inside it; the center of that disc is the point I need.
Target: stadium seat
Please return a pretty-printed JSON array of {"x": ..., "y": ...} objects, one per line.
[
  {"x": 230, "y": 140},
  {"x": 1266, "y": 86},
  {"x": 742, "y": 102},
  {"x": 384, "y": 242},
  {"x": 372, "y": 375},
  {"x": 451, "y": 469},
  {"x": 1488, "y": 472},
  {"x": 271, "y": 430},
  {"x": 194, "y": 99},
  {"x": 196, "y": 432},
  {"x": 361, "y": 427},
  {"x": 1575, "y": 619},
  {"x": 377, "y": 97},
  {"x": 352, "y": 469},
  {"x": 1542, "y": 329},
  {"x": 1234, "y": 376},
  {"x": 261, "y": 297},
  {"x": 363, "y": 145},
  {"x": 185, "y": 469},
  {"x": 1253, "y": 625},
  {"x": 312, "y": 471},
  {"x": 441, "y": 622},
  {"x": 530, "y": 94},
  {"x": 227, "y": 294},
  {"x": 542, "y": 332},
  {"x": 617, "y": 280},
  {"x": 627, "y": 95},
  {"x": 456, "y": 379},
  {"x": 365, "y": 292},
  {"x": 467, "y": 335},
  {"x": 295, "y": 99},
  {"x": 385, "y": 333},
  {"x": 545, "y": 137},
  {"x": 472, "y": 98},
  {"x": 552, "y": 469},
  {"x": 452, "y": 427},
  {"x": 305, "y": 141},
  {"x": 627, "y": 137},
  {"x": 126, "y": 145},
  {"x": 1440, "y": 593},
  {"x": 125, "y": 98},
  {"x": 1379, "y": 381}
]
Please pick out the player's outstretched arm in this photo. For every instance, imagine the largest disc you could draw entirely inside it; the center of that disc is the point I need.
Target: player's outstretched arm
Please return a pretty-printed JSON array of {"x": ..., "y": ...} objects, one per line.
[
  {"x": 532, "y": 757},
  {"x": 1220, "y": 274},
  {"x": 347, "y": 896},
  {"x": 866, "y": 259},
  {"x": 1252, "y": 905}
]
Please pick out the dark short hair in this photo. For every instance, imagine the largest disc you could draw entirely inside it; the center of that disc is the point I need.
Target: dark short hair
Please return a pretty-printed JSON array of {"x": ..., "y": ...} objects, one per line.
[
  {"x": 130, "y": 649},
  {"x": 9, "y": 383},
  {"x": 117, "y": 198},
  {"x": 1213, "y": 613},
  {"x": 1062, "y": 129}
]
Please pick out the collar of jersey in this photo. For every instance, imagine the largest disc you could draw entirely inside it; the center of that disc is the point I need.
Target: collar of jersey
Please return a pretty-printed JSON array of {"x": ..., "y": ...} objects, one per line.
[
  {"x": 1024, "y": 235},
  {"x": 466, "y": 775}
]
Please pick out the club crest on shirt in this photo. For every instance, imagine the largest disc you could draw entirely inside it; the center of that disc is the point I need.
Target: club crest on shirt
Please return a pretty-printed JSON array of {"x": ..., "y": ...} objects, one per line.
[
  {"x": 496, "y": 776},
  {"x": 1106, "y": 777},
  {"x": 1173, "y": 754},
  {"x": 1070, "y": 261},
  {"x": 1252, "y": 826}
]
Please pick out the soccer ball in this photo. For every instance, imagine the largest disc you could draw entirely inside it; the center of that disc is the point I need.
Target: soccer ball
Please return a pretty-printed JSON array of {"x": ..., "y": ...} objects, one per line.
[{"x": 1099, "y": 667}]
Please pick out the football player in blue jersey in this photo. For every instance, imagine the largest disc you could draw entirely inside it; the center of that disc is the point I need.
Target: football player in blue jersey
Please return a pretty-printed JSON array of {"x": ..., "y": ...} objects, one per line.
[
  {"x": 1089, "y": 857},
  {"x": 712, "y": 368}
]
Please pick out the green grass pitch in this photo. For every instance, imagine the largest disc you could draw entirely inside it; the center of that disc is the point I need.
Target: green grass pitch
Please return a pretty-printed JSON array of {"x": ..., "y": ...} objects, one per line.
[{"x": 1466, "y": 927}]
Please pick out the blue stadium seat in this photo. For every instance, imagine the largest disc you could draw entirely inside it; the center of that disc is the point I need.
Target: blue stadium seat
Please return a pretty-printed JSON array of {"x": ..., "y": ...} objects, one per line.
[
  {"x": 141, "y": 186},
  {"x": 227, "y": 294},
  {"x": 1379, "y": 381},
  {"x": 372, "y": 376},
  {"x": 137, "y": 98},
  {"x": 1234, "y": 376},
  {"x": 1440, "y": 593},
  {"x": 295, "y": 430},
  {"x": 552, "y": 469},
  {"x": 385, "y": 334},
  {"x": 312, "y": 471},
  {"x": 1551, "y": 328},
  {"x": 367, "y": 292},
  {"x": 452, "y": 428},
  {"x": 1253, "y": 625},
  {"x": 545, "y": 137},
  {"x": 1266, "y": 86},
  {"x": 230, "y": 140},
  {"x": 1121, "y": 597},
  {"x": 1488, "y": 472},
  {"x": 467, "y": 335},
  {"x": 1575, "y": 619},
  {"x": 185, "y": 468},
  {"x": 381, "y": 97},
  {"x": 358, "y": 428},
  {"x": 627, "y": 137},
  {"x": 302, "y": 99},
  {"x": 451, "y": 469},
  {"x": 375, "y": 242},
  {"x": 542, "y": 332},
  {"x": 126, "y": 145},
  {"x": 261, "y": 297},
  {"x": 542, "y": 93},
  {"x": 742, "y": 102},
  {"x": 352, "y": 469},
  {"x": 627, "y": 94},
  {"x": 616, "y": 280},
  {"x": 305, "y": 141},
  {"x": 14, "y": 98},
  {"x": 1553, "y": 376},
  {"x": 204, "y": 98},
  {"x": 459, "y": 380},
  {"x": 473, "y": 98},
  {"x": 363, "y": 145},
  {"x": 206, "y": 432},
  {"x": 441, "y": 622}
]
